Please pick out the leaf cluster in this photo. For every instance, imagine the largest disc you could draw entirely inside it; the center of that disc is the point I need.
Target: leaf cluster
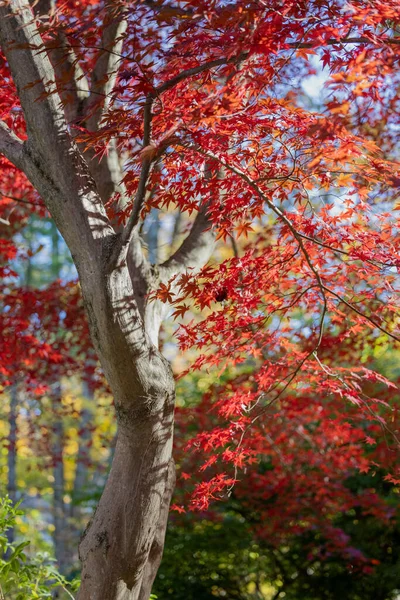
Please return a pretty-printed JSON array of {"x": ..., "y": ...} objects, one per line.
[{"x": 23, "y": 578}]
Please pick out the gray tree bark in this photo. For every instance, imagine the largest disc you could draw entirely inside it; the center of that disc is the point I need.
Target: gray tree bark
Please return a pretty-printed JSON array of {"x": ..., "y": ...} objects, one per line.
[
  {"x": 12, "y": 453},
  {"x": 80, "y": 489},
  {"x": 60, "y": 533},
  {"x": 60, "y": 516},
  {"x": 122, "y": 545}
]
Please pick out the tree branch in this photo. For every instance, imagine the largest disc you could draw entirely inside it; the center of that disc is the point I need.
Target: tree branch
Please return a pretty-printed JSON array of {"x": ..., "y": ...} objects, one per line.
[
  {"x": 106, "y": 171},
  {"x": 44, "y": 7},
  {"x": 67, "y": 69},
  {"x": 81, "y": 100},
  {"x": 33, "y": 76},
  {"x": 218, "y": 62},
  {"x": 49, "y": 158},
  {"x": 10, "y": 145},
  {"x": 121, "y": 247},
  {"x": 172, "y": 10},
  {"x": 346, "y": 40},
  {"x": 65, "y": 63},
  {"x": 299, "y": 238},
  {"x": 105, "y": 71},
  {"x": 196, "y": 248},
  {"x": 362, "y": 314}
]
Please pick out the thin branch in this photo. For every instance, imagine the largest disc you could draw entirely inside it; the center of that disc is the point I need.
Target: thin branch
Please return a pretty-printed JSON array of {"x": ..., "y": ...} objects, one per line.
[
  {"x": 15, "y": 199},
  {"x": 375, "y": 263},
  {"x": 195, "y": 249},
  {"x": 298, "y": 238},
  {"x": 122, "y": 246},
  {"x": 235, "y": 248},
  {"x": 200, "y": 69},
  {"x": 218, "y": 62},
  {"x": 145, "y": 172},
  {"x": 138, "y": 201},
  {"x": 346, "y": 40},
  {"x": 359, "y": 312},
  {"x": 147, "y": 118},
  {"x": 270, "y": 204}
]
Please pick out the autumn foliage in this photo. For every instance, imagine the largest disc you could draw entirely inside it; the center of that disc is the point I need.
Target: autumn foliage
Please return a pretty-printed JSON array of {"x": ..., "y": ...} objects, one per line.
[{"x": 303, "y": 194}]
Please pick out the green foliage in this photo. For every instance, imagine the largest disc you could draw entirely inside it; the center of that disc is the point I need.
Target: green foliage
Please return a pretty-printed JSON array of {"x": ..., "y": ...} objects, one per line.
[
  {"x": 224, "y": 557},
  {"x": 204, "y": 560},
  {"x": 23, "y": 579},
  {"x": 301, "y": 574}
]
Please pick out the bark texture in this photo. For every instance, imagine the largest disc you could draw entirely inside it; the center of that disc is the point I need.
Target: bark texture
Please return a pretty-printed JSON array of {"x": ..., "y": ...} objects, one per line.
[
  {"x": 81, "y": 480},
  {"x": 60, "y": 533},
  {"x": 122, "y": 545},
  {"x": 12, "y": 454}
]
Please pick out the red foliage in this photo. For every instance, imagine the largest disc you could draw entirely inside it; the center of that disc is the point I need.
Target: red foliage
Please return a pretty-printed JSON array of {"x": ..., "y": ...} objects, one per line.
[{"x": 309, "y": 191}]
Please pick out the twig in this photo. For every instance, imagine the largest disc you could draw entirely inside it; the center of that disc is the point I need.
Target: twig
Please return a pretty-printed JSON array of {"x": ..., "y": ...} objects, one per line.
[
  {"x": 218, "y": 62},
  {"x": 296, "y": 234},
  {"x": 359, "y": 312}
]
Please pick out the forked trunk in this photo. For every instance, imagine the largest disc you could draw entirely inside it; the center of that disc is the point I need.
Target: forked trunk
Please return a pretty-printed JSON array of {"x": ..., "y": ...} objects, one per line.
[{"x": 122, "y": 546}]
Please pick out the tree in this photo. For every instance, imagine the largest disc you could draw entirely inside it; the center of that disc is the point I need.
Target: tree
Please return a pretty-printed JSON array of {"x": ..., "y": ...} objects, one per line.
[
  {"x": 213, "y": 93},
  {"x": 314, "y": 502}
]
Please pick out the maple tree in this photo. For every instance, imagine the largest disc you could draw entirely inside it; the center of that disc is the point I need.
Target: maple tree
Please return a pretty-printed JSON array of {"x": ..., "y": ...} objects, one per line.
[
  {"x": 227, "y": 557},
  {"x": 315, "y": 496},
  {"x": 111, "y": 109}
]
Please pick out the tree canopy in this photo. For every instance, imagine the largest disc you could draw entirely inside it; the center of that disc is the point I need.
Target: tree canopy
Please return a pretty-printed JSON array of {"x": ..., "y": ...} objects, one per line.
[{"x": 263, "y": 136}]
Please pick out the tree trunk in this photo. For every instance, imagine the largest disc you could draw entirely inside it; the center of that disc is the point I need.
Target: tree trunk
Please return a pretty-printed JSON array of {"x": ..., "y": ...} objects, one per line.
[
  {"x": 151, "y": 235},
  {"x": 123, "y": 528},
  {"x": 83, "y": 457},
  {"x": 59, "y": 513},
  {"x": 116, "y": 546},
  {"x": 81, "y": 480},
  {"x": 60, "y": 520},
  {"x": 12, "y": 454},
  {"x": 157, "y": 547}
]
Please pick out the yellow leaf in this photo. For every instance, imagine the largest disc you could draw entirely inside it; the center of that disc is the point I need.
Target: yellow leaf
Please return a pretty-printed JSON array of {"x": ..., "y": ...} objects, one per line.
[
  {"x": 341, "y": 108},
  {"x": 344, "y": 180}
]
